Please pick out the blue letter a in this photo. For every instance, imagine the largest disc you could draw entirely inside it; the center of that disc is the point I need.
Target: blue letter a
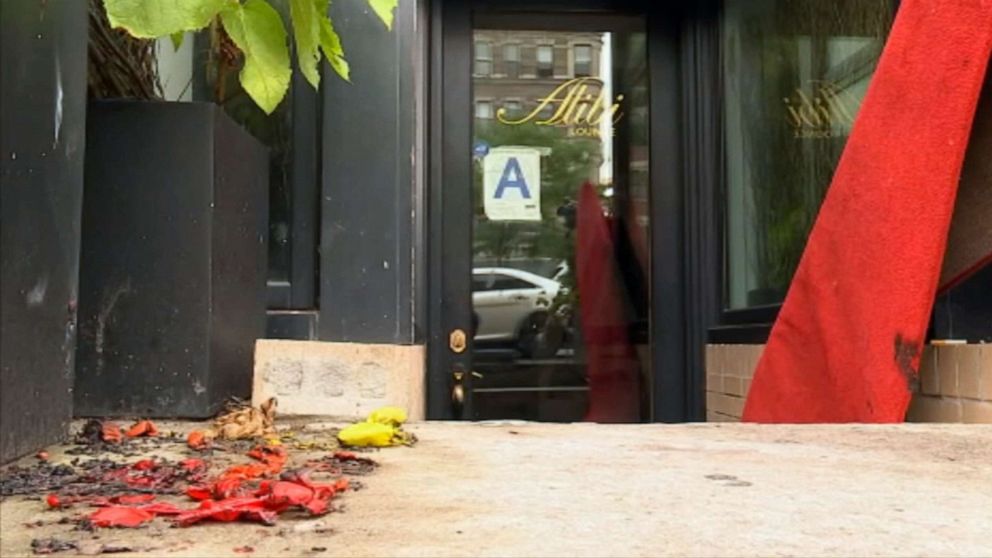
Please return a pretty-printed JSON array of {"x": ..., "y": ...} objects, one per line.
[{"x": 512, "y": 178}]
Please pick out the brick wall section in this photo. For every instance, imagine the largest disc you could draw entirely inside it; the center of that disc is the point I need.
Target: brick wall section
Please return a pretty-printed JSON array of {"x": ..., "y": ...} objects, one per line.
[
  {"x": 955, "y": 383},
  {"x": 728, "y": 377}
]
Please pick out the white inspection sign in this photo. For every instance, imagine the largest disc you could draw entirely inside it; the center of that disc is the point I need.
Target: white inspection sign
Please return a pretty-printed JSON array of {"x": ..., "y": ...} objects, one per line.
[{"x": 511, "y": 184}]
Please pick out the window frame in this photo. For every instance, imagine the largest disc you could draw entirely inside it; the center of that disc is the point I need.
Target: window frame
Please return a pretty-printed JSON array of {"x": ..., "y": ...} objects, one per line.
[
  {"x": 505, "y": 105},
  {"x": 476, "y": 58},
  {"x": 484, "y": 101},
  {"x": 537, "y": 61},
  {"x": 575, "y": 59},
  {"x": 507, "y": 61}
]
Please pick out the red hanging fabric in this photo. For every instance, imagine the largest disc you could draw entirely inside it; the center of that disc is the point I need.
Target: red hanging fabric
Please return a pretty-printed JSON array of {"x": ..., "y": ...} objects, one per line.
[
  {"x": 610, "y": 358},
  {"x": 847, "y": 342}
]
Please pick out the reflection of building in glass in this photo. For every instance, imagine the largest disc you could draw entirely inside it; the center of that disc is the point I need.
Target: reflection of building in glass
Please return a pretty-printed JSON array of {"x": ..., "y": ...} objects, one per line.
[
  {"x": 793, "y": 83},
  {"x": 515, "y": 69}
]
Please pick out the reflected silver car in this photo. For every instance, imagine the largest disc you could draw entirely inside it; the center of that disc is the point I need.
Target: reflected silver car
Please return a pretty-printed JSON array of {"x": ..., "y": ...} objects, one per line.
[{"x": 511, "y": 305}]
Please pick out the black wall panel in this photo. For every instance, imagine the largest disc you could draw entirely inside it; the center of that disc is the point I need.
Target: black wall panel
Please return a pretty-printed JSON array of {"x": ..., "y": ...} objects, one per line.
[
  {"x": 42, "y": 137},
  {"x": 368, "y": 180}
]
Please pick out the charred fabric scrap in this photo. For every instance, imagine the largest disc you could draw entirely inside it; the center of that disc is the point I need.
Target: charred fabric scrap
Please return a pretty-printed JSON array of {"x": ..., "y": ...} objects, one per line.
[
  {"x": 125, "y": 493},
  {"x": 112, "y": 481}
]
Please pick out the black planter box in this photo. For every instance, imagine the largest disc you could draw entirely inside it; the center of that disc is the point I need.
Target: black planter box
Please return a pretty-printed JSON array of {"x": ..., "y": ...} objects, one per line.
[
  {"x": 173, "y": 265},
  {"x": 42, "y": 134}
]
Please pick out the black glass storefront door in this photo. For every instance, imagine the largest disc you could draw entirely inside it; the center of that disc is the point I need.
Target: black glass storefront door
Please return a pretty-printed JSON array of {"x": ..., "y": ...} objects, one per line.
[{"x": 545, "y": 246}]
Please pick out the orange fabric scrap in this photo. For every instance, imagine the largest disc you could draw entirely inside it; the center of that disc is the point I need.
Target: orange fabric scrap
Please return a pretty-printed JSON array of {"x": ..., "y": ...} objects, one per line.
[
  {"x": 120, "y": 516},
  {"x": 197, "y": 440},
  {"x": 142, "y": 428},
  {"x": 111, "y": 433},
  {"x": 229, "y": 498},
  {"x": 266, "y": 503},
  {"x": 131, "y": 499},
  {"x": 129, "y": 510},
  {"x": 274, "y": 457},
  {"x": 131, "y": 516}
]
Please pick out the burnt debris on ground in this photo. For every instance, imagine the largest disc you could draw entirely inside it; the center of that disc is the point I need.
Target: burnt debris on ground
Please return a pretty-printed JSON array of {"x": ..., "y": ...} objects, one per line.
[{"x": 136, "y": 476}]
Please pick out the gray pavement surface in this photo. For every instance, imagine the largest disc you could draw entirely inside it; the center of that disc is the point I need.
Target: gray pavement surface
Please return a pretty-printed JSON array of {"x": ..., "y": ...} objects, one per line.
[{"x": 526, "y": 489}]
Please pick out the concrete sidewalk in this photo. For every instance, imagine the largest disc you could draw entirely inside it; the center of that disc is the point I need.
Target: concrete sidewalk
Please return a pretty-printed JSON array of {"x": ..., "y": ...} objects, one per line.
[{"x": 649, "y": 490}]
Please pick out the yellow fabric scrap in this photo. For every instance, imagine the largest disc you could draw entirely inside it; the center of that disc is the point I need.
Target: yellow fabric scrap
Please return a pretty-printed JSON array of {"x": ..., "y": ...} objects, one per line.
[
  {"x": 367, "y": 434},
  {"x": 388, "y": 415},
  {"x": 382, "y": 428}
]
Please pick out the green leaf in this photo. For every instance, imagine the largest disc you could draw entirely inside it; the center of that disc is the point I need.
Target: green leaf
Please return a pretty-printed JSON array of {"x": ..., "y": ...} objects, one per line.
[
  {"x": 177, "y": 39},
  {"x": 256, "y": 28},
  {"x": 384, "y": 9},
  {"x": 306, "y": 17},
  {"x": 148, "y": 19},
  {"x": 330, "y": 43}
]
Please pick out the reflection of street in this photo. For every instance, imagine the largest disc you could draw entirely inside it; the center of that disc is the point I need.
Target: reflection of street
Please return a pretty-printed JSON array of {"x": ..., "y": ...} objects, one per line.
[
  {"x": 530, "y": 389},
  {"x": 527, "y": 348},
  {"x": 519, "y": 310}
]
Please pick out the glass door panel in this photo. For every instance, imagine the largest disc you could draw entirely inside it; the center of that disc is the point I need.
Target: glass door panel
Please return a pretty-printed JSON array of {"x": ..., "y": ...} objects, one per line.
[{"x": 560, "y": 251}]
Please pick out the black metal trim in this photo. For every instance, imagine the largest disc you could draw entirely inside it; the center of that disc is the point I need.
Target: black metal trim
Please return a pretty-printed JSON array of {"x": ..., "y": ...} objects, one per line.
[
  {"x": 562, "y": 7},
  {"x": 577, "y": 21},
  {"x": 278, "y": 294},
  {"x": 765, "y": 314},
  {"x": 702, "y": 190},
  {"x": 669, "y": 307},
  {"x": 305, "y": 180},
  {"x": 407, "y": 169},
  {"x": 436, "y": 386},
  {"x": 744, "y": 334},
  {"x": 450, "y": 222},
  {"x": 291, "y": 324},
  {"x": 422, "y": 170}
]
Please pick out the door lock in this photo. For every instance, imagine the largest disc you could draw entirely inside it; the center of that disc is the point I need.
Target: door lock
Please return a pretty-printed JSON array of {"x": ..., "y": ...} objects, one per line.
[
  {"x": 458, "y": 389},
  {"x": 457, "y": 341},
  {"x": 458, "y": 386}
]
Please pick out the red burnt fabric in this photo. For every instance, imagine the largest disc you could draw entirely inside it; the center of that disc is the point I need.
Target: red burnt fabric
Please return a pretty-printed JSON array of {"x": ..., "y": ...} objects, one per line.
[
  {"x": 610, "y": 358},
  {"x": 847, "y": 342}
]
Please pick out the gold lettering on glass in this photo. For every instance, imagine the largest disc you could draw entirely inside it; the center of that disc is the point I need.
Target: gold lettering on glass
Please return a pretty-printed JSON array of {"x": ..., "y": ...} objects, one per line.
[
  {"x": 580, "y": 104},
  {"x": 823, "y": 110}
]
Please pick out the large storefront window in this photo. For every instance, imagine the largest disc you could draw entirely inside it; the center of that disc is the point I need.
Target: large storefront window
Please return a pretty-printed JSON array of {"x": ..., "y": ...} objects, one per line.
[{"x": 794, "y": 75}]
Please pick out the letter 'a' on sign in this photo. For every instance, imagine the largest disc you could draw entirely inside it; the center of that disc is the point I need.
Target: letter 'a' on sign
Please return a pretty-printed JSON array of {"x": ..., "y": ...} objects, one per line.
[
  {"x": 512, "y": 177},
  {"x": 512, "y": 184}
]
